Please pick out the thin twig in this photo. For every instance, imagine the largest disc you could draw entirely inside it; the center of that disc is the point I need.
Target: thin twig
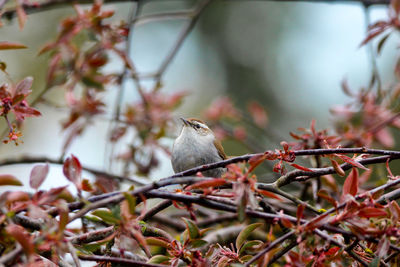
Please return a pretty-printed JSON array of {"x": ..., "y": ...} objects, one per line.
[
  {"x": 122, "y": 261},
  {"x": 73, "y": 254},
  {"x": 181, "y": 38},
  {"x": 282, "y": 252},
  {"x": 92, "y": 236},
  {"x": 337, "y": 243},
  {"x": 271, "y": 245},
  {"x": 184, "y": 14},
  {"x": 32, "y": 159},
  {"x": 156, "y": 209}
]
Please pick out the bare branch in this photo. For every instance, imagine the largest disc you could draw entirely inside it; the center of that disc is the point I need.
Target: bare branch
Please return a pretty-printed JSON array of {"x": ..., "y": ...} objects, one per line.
[{"x": 121, "y": 261}]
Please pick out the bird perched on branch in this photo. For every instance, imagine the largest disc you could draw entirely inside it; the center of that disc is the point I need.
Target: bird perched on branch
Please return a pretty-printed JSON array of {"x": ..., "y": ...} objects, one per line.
[{"x": 196, "y": 145}]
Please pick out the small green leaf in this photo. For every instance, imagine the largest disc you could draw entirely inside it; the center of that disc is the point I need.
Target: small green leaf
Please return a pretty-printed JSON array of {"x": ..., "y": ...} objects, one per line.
[
  {"x": 8, "y": 179},
  {"x": 131, "y": 202},
  {"x": 90, "y": 82},
  {"x": 91, "y": 247},
  {"x": 106, "y": 216},
  {"x": 244, "y": 234},
  {"x": 3, "y": 66},
  {"x": 192, "y": 228},
  {"x": 116, "y": 211},
  {"x": 158, "y": 259},
  {"x": 251, "y": 245},
  {"x": 92, "y": 219},
  {"x": 245, "y": 258},
  {"x": 374, "y": 262},
  {"x": 156, "y": 241},
  {"x": 205, "y": 230},
  {"x": 197, "y": 243}
]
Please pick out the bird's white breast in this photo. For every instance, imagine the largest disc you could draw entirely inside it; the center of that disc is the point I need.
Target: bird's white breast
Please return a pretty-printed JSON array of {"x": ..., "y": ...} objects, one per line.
[{"x": 191, "y": 149}]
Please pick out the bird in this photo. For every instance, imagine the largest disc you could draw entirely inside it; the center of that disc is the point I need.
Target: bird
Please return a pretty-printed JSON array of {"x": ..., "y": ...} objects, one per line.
[{"x": 197, "y": 145}]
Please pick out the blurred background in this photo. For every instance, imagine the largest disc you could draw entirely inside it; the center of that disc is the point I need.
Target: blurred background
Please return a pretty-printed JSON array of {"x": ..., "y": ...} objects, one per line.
[{"x": 290, "y": 57}]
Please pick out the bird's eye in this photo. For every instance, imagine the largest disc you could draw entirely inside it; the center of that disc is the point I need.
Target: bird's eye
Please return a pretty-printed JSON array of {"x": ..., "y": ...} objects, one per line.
[{"x": 197, "y": 126}]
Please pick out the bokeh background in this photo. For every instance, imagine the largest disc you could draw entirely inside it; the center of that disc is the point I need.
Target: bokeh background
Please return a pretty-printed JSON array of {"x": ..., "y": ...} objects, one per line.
[{"x": 289, "y": 56}]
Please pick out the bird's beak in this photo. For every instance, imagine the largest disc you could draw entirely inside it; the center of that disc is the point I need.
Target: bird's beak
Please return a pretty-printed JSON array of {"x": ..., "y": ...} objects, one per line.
[{"x": 185, "y": 122}]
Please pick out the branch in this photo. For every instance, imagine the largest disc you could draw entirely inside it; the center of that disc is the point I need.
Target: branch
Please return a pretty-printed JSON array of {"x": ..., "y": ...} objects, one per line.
[
  {"x": 271, "y": 245},
  {"x": 337, "y": 243},
  {"x": 181, "y": 38},
  {"x": 156, "y": 209},
  {"x": 31, "y": 159},
  {"x": 31, "y": 8},
  {"x": 184, "y": 14},
  {"x": 52, "y": 4},
  {"x": 298, "y": 175},
  {"x": 92, "y": 236},
  {"x": 121, "y": 261}
]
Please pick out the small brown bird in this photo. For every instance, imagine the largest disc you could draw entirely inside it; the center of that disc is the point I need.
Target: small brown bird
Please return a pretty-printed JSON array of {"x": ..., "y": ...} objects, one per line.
[{"x": 196, "y": 145}]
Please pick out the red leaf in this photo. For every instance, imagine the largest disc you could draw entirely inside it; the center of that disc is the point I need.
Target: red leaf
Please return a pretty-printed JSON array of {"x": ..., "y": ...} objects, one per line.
[
  {"x": 86, "y": 185},
  {"x": 369, "y": 212},
  {"x": 24, "y": 111},
  {"x": 22, "y": 237},
  {"x": 375, "y": 32},
  {"x": 351, "y": 161},
  {"x": 385, "y": 138},
  {"x": 23, "y": 87},
  {"x": 350, "y": 185},
  {"x": 337, "y": 168},
  {"x": 394, "y": 210},
  {"x": 388, "y": 169},
  {"x": 395, "y": 5},
  {"x": 52, "y": 195},
  {"x": 240, "y": 133},
  {"x": 38, "y": 174},
  {"x": 325, "y": 195},
  {"x": 383, "y": 247},
  {"x": 9, "y": 45},
  {"x": 319, "y": 221},
  {"x": 72, "y": 169},
  {"x": 287, "y": 223},
  {"x": 268, "y": 194},
  {"x": 8, "y": 179},
  {"x": 207, "y": 184},
  {"x": 255, "y": 161},
  {"x": 332, "y": 251},
  {"x": 301, "y": 167},
  {"x": 258, "y": 114},
  {"x": 346, "y": 88},
  {"x": 21, "y": 16},
  {"x": 17, "y": 196},
  {"x": 295, "y": 136},
  {"x": 299, "y": 213}
]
